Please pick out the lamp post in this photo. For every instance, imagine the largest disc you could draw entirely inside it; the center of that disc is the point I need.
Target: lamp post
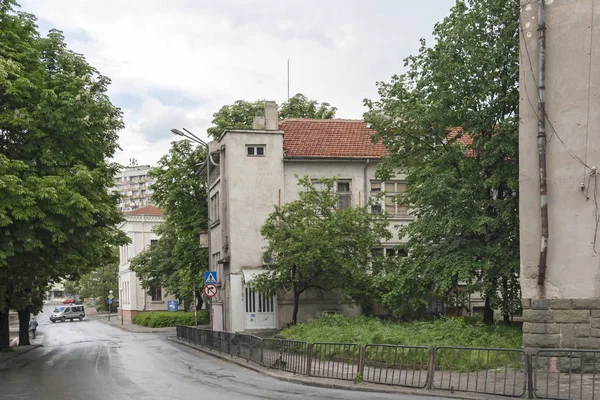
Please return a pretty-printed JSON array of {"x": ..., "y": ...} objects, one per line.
[{"x": 190, "y": 136}]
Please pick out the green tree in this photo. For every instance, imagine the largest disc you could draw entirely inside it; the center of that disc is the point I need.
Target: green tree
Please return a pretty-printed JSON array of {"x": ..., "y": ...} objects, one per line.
[
  {"x": 177, "y": 262},
  {"x": 315, "y": 244},
  {"x": 241, "y": 113},
  {"x": 96, "y": 284},
  {"x": 462, "y": 183},
  {"x": 301, "y": 106},
  {"x": 57, "y": 128}
]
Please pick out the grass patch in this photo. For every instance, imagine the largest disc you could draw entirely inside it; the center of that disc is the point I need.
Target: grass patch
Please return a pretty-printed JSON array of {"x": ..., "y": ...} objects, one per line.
[
  {"x": 455, "y": 332},
  {"x": 161, "y": 319},
  {"x": 441, "y": 332}
]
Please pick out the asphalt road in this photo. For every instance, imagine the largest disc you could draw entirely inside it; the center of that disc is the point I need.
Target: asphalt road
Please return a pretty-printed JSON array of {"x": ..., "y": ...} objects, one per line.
[{"x": 91, "y": 360}]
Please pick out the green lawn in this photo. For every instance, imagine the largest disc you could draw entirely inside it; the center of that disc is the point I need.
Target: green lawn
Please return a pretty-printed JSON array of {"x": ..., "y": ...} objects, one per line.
[{"x": 441, "y": 332}]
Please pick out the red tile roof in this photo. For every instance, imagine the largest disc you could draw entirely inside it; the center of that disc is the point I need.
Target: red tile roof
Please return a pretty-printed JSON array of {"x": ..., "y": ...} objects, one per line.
[
  {"x": 329, "y": 138},
  {"x": 464, "y": 138},
  {"x": 147, "y": 210}
]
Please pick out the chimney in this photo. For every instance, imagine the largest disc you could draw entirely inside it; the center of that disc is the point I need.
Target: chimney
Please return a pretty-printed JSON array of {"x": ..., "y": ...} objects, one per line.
[
  {"x": 258, "y": 123},
  {"x": 271, "y": 117}
]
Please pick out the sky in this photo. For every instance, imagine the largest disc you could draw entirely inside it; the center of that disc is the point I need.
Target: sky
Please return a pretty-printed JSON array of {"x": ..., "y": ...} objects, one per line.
[{"x": 174, "y": 63}]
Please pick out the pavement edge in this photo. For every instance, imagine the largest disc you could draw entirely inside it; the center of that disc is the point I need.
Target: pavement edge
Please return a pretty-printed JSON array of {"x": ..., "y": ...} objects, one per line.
[
  {"x": 327, "y": 385},
  {"x": 14, "y": 354}
]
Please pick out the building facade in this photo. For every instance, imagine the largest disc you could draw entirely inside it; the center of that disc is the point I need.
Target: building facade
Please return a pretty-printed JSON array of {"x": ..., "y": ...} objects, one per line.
[
  {"x": 251, "y": 171},
  {"x": 563, "y": 310},
  {"x": 133, "y": 184},
  {"x": 134, "y": 299}
]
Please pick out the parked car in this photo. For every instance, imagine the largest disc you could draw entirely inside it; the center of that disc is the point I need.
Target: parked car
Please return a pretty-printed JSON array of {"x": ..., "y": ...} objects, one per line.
[
  {"x": 69, "y": 301},
  {"x": 69, "y": 312},
  {"x": 78, "y": 301}
]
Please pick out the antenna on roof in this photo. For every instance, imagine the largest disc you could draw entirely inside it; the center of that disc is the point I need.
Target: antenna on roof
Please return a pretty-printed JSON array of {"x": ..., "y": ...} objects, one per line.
[{"x": 288, "y": 78}]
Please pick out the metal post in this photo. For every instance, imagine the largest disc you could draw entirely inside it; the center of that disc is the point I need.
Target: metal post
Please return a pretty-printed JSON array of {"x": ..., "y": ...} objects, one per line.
[
  {"x": 109, "y": 311},
  {"x": 195, "y": 306},
  {"x": 431, "y": 368},
  {"x": 361, "y": 362},
  {"x": 530, "y": 388},
  {"x": 309, "y": 359}
]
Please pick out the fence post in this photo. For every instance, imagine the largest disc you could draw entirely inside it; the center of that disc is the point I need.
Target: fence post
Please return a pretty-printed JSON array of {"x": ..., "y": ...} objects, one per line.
[
  {"x": 431, "y": 368},
  {"x": 529, "y": 365},
  {"x": 361, "y": 362},
  {"x": 309, "y": 359}
]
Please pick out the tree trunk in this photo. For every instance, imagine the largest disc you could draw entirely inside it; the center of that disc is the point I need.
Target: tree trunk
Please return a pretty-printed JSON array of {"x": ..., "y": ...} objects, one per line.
[
  {"x": 296, "y": 304},
  {"x": 4, "y": 334},
  {"x": 24, "y": 316},
  {"x": 488, "y": 313},
  {"x": 506, "y": 319}
]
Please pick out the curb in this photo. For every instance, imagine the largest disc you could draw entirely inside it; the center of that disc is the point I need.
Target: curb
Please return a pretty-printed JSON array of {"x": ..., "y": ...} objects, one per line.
[
  {"x": 122, "y": 327},
  {"x": 349, "y": 386},
  {"x": 21, "y": 352}
]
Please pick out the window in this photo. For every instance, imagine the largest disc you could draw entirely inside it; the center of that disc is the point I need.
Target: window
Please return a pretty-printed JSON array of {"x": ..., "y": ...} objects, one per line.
[
  {"x": 153, "y": 243},
  {"x": 256, "y": 150},
  {"x": 214, "y": 208},
  {"x": 390, "y": 199},
  {"x": 156, "y": 293},
  {"x": 344, "y": 195},
  {"x": 342, "y": 188}
]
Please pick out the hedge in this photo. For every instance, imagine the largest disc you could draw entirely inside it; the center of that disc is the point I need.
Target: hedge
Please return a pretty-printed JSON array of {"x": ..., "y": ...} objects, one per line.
[{"x": 161, "y": 319}]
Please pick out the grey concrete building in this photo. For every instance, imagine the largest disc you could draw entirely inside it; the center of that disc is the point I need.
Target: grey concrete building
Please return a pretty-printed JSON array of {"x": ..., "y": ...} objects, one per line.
[
  {"x": 133, "y": 184},
  {"x": 563, "y": 310}
]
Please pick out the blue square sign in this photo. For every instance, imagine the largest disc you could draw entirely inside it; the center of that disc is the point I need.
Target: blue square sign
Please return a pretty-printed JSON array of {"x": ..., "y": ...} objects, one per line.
[{"x": 210, "y": 277}]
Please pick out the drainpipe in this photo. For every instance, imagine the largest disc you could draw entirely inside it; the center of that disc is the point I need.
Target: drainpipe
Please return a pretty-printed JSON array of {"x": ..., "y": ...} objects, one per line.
[
  {"x": 542, "y": 139},
  {"x": 365, "y": 182}
]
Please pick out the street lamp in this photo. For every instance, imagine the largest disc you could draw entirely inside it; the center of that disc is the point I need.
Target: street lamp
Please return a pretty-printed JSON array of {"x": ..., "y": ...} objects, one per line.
[{"x": 203, "y": 238}]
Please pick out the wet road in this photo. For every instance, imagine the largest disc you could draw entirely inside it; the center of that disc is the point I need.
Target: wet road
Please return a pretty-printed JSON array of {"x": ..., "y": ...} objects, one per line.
[{"x": 90, "y": 360}]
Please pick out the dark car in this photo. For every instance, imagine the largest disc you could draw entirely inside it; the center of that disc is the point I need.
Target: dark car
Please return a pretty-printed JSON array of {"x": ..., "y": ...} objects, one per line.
[{"x": 78, "y": 301}]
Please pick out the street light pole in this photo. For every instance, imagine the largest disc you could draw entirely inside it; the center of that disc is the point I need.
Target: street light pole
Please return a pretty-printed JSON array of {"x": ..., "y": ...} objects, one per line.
[{"x": 196, "y": 139}]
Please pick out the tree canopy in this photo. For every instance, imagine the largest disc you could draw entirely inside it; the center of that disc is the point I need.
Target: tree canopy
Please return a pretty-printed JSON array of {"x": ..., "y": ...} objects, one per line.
[
  {"x": 57, "y": 129},
  {"x": 462, "y": 183},
  {"x": 315, "y": 244},
  {"x": 177, "y": 261},
  {"x": 241, "y": 113}
]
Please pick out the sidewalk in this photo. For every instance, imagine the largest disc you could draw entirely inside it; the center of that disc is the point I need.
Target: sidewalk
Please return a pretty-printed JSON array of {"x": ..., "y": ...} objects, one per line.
[
  {"x": 115, "y": 321},
  {"x": 335, "y": 383}
]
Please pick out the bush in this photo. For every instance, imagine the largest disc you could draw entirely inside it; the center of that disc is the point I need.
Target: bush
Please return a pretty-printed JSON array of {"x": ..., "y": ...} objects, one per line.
[{"x": 161, "y": 319}]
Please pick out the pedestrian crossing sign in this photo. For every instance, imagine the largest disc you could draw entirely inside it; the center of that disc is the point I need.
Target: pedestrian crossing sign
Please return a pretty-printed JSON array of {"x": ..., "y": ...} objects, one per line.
[{"x": 210, "y": 277}]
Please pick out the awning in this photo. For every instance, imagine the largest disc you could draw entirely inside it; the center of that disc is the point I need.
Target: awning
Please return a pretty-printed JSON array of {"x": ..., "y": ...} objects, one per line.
[{"x": 249, "y": 274}]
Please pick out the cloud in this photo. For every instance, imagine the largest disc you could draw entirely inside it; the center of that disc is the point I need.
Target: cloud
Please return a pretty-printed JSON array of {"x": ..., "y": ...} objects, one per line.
[{"x": 175, "y": 63}]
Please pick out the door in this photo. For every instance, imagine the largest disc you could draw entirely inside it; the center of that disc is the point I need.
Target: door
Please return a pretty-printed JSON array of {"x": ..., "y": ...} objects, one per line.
[{"x": 260, "y": 310}]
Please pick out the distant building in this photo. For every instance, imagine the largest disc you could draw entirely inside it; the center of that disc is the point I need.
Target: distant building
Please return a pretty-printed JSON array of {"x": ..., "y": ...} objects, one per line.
[
  {"x": 134, "y": 185},
  {"x": 134, "y": 299}
]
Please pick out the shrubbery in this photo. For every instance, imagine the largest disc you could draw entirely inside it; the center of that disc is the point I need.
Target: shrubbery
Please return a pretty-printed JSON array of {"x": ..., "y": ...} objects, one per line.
[
  {"x": 440, "y": 332},
  {"x": 161, "y": 319}
]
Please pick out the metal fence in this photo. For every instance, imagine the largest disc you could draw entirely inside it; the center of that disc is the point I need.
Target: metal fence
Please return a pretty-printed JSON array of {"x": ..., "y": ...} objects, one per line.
[
  {"x": 567, "y": 374},
  {"x": 481, "y": 370},
  {"x": 335, "y": 360},
  {"x": 396, "y": 365},
  {"x": 549, "y": 374}
]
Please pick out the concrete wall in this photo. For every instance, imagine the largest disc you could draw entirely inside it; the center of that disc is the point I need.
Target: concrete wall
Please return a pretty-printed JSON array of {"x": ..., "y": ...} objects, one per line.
[
  {"x": 254, "y": 186},
  {"x": 568, "y": 300},
  {"x": 132, "y": 297},
  {"x": 343, "y": 170}
]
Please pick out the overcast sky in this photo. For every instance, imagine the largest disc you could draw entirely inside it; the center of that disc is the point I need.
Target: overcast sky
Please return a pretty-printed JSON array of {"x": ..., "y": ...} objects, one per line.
[{"x": 174, "y": 63}]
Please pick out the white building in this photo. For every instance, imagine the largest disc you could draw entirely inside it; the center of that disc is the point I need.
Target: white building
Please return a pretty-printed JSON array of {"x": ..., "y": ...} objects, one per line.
[
  {"x": 257, "y": 169},
  {"x": 133, "y": 299},
  {"x": 134, "y": 185}
]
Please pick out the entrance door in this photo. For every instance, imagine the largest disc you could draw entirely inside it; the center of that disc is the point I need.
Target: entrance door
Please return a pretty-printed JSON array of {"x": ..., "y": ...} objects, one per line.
[{"x": 260, "y": 310}]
